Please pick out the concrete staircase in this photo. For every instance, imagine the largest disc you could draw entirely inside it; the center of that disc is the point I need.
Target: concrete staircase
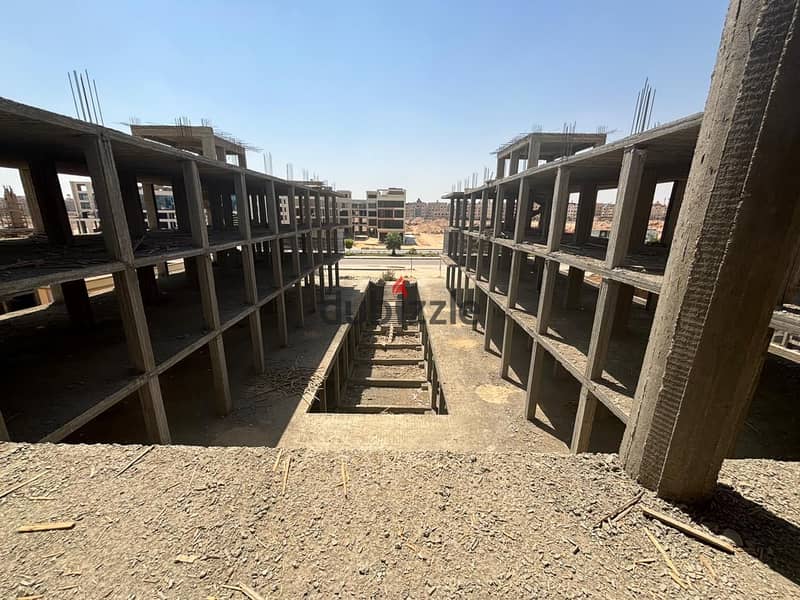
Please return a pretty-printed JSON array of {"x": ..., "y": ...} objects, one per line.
[
  {"x": 391, "y": 308},
  {"x": 389, "y": 375}
]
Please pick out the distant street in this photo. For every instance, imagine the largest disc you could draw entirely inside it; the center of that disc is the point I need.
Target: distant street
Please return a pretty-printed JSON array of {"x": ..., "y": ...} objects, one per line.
[{"x": 379, "y": 263}]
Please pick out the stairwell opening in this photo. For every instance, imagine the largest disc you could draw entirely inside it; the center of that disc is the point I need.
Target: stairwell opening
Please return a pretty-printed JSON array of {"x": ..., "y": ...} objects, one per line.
[{"x": 382, "y": 363}]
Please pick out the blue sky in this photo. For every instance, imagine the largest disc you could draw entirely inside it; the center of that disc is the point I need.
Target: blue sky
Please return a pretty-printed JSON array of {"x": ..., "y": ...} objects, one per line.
[{"x": 368, "y": 94}]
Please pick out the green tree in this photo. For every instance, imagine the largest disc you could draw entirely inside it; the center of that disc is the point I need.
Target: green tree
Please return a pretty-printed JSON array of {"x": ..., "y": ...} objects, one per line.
[
  {"x": 348, "y": 243},
  {"x": 393, "y": 242}
]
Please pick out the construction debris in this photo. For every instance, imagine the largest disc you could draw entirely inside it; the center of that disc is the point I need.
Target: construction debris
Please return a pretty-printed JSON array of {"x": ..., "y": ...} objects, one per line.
[
  {"x": 673, "y": 570},
  {"x": 139, "y": 457},
  {"x": 186, "y": 558},
  {"x": 14, "y": 488},
  {"x": 689, "y": 530},
  {"x": 50, "y": 526},
  {"x": 246, "y": 590},
  {"x": 709, "y": 567},
  {"x": 345, "y": 478},
  {"x": 621, "y": 509},
  {"x": 288, "y": 379},
  {"x": 286, "y": 474}
]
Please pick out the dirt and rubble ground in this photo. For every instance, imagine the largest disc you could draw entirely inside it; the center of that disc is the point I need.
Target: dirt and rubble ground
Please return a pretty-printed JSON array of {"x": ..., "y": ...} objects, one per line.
[
  {"x": 184, "y": 522},
  {"x": 437, "y": 506}
]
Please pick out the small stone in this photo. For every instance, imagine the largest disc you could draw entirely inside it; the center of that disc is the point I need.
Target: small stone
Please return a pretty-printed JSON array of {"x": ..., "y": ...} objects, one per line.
[{"x": 363, "y": 570}]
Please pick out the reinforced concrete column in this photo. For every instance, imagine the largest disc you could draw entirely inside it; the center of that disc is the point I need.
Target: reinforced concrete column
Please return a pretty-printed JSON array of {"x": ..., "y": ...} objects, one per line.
[
  {"x": 475, "y": 307},
  {"x": 538, "y": 353},
  {"x": 536, "y": 371},
  {"x": 574, "y": 287},
  {"x": 30, "y": 199},
  {"x": 488, "y": 323},
  {"x": 513, "y": 162},
  {"x": 534, "y": 150},
  {"x": 517, "y": 258},
  {"x": 484, "y": 205},
  {"x": 505, "y": 355},
  {"x": 734, "y": 242},
  {"x": 149, "y": 201},
  {"x": 52, "y": 211},
  {"x": 132, "y": 203},
  {"x": 459, "y": 288},
  {"x": 301, "y": 317},
  {"x": 208, "y": 294},
  {"x": 140, "y": 351},
  {"x": 641, "y": 213},
  {"x": 494, "y": 264},
  {"x": 280, "y": 300},
  {"x": 249, "y": 269},
  {"x": 55, "y": 223},
  {"x": 673, "y": 210},
  {"x": 497, "y": 212},
  {"x": 273, "y": 212},
  {"x": 523, "y": 205},
  {"x": 630, "y": 178},
  {"x": 292, "y": 207},
  {"x": 478, "y": 259},
  {"x": 587, "y": 203},
  {"x": 546, "y": 295},
  {"x": 108, "y": 195},
  {"x": 434, "y": 379},
  {"x": 558, "y": 215},
  {"x": 313, "y": 287},
  {"x": 471, "y": 213},
  {"x": 602, "y": 327},
  {"x": 465, "y": 293}
]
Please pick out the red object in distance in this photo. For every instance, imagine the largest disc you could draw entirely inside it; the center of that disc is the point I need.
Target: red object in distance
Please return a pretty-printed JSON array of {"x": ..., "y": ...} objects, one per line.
[{"x": 399, "y": 287}]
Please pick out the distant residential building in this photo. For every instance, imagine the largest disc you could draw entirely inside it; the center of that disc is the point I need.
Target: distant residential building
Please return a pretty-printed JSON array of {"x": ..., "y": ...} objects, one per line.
[
  {"x": 14, "y": 212},
  {"x": 381, "y": 212},
  {"x": 165, "y": 207},
  {"x": 391, "y": 209},
  {"x": 82, "y": 209},
  {"x": 604, "y": 211},
  {"x": 428, "y": 210}
]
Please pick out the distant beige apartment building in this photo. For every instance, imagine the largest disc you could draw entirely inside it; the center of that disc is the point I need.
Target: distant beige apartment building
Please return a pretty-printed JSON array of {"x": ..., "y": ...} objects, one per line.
[
  {"x": 427, "y": 210},
  {"x": 391, "y": 207}
]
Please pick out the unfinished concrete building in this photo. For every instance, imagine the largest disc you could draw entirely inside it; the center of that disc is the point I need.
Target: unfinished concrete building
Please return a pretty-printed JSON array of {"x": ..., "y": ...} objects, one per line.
[
  {"x": 198, "y": 139},
  {"x": 230, "y": 263},
  {"x": 572, "y": 314},
  {"x": 387, "y": 455}
]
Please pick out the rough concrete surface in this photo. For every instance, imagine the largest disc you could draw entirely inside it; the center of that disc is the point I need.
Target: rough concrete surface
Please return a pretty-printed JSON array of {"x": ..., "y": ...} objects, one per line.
[
  {"x": 183, "y": 522},
  {"x": 485, "y": 412}
]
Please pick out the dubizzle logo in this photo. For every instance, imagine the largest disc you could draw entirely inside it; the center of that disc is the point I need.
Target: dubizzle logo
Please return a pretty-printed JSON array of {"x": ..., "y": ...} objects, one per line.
[{"x": 399, "y": 287}]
